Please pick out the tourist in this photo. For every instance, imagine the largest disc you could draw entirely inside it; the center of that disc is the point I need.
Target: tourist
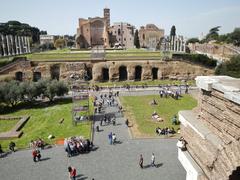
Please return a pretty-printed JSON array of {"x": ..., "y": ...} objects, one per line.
[
  {"x": 36, "y": 155},
  {"x": 153, "y": 160},
  {"x": 174, "y": 120},
  {"x": 110, "y": 138},
  {"x": 97, "y": 128},
  {"x": 114, "y": 138},
  {"x": 1, "y": 151},
  {"x": 12, "y": 146},
  {"x": 127, "y": 122},
  {"x": 182, "y": 144},
  {"x": 141, "y": 161},
  {"x": 72, "y": 173}
]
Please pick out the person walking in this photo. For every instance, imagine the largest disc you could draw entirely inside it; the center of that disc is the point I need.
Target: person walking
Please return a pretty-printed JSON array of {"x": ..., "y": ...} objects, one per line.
[
  {"x": 110, "y": 138},
  {"x": 141, "y": 161},
  {"x": 153, "y": 160},
  {"x": 72, "y": 173}
]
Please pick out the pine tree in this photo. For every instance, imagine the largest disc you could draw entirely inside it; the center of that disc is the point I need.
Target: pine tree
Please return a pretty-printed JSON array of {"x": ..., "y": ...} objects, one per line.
[{"x": 136, "y": 40}]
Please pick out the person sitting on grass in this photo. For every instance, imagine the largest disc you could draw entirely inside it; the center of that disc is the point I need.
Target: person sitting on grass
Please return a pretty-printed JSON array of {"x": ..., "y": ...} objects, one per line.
[
  {"x": 12, "y": 146},
  {"x": 1, "y": 151},
  {"x": 174, "y": 120}
]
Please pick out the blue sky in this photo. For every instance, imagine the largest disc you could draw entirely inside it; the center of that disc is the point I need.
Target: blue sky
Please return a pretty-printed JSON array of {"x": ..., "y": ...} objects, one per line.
[{"x": 191, "y": 17}]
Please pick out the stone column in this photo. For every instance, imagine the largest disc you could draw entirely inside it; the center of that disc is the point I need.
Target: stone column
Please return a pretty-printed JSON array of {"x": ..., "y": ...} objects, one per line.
[
  {"x": 177, "y": 41},
  {"x": 28, "y": 45},
  {"x": 20, "y": 44},
  {"x": 16, "y": 44},
  {"x": 172, "y": 43},
  {"x": 12, "y": 45},
  {"x": 23, "y": 44},
  {"x": 1, "y": 53},
  {"x": 8, "y": 46},
  {"x": 184, "y": 45},
  {"x": 3, "y": 46}
]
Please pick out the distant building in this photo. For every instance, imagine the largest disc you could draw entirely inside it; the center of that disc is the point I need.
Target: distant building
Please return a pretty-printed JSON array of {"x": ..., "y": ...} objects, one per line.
[
  {"x": 150, "y": 36},
  {"x": 47, "y": 39},
  {"x": 93, "y": 31},
  {"x": 124, "y": 34}
]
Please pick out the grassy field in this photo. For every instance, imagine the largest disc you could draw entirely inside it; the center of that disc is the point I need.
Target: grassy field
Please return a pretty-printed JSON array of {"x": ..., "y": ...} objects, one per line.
[
  {"x": 6, "y": 125},
  {"x": 140, "y": 83},
  {"x": 44, "y": 121},
  {"x": 139, "y": 111}
]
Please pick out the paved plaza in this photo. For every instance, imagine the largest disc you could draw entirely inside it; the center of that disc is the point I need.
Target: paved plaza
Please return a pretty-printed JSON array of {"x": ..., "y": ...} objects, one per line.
[{"x": 106, "y": 162}]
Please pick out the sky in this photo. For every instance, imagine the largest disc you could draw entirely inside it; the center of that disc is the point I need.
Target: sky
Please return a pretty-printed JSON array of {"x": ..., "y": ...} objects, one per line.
[{"x": 191, "y": 17}]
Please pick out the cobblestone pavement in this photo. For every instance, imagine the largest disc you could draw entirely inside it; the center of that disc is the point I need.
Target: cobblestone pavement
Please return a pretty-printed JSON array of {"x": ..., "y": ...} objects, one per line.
[{"x": 106, "y": 162}]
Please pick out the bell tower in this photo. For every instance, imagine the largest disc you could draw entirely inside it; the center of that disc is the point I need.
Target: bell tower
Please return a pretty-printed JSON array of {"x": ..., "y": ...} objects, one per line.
[{"x": 106, "y": 15}]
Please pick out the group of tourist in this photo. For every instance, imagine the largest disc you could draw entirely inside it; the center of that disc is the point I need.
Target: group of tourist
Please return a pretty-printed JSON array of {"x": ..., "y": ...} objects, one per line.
[
  {"x": 76, "y": 145},
  {"x": 152, "y": 161},
  {"x": 112, "y": 138},
  {"x": 165, "y": 131},
  {"x": 39, "y": 143}
]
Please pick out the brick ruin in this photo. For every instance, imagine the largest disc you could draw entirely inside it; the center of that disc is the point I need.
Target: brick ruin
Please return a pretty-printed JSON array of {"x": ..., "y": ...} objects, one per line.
[
  {"x": 212, "y": 131},
  {"x": 104, "y": 70}
]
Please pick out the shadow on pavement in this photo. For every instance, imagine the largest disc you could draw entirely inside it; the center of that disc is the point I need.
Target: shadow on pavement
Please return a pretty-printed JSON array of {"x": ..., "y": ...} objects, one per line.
[
  {"x": 156, "y": 166},
  {"x": 45, "y": 159}
]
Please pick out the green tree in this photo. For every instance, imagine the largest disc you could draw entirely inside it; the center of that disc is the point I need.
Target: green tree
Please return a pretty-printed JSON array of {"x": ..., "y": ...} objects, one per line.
[
  {"x": 136, "y": 40},
  {"x": 59, "y": 43},
  {"x": 213, "y": 33},
  {"x": 20, "y": 29},
  {"x": 235, "y": 36},
  {"x": 230, "y": 68},
  {"x": 193, "y": 40},
  {"x": 173, "y": 31},
  {"x": 13, "y": 93}
]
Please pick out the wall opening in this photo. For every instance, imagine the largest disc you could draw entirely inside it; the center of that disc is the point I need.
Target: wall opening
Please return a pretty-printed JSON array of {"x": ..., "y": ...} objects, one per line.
[
  {"x": 105, "y": 74},
  {"x": 89, "y": 73},
  {"x": 36, "y": 76},
  {"x": 123, "y": 73},
  {"x": 55, "y": 72},
  {"x": 235, "y": 174},
  {"x": 19, "y": 76},
  {"x": 154, "y": 73},
  {"x": 138, "y": 73}
]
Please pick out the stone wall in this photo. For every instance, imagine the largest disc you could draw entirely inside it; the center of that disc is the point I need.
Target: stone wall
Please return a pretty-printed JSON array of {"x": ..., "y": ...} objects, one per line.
[
  {"x": 213, "y": 136},
  {"x": 175, "y": 70}
]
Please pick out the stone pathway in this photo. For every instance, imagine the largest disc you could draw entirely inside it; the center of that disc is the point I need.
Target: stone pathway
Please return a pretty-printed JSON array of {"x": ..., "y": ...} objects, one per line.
[{"x": 107, "y": 162}]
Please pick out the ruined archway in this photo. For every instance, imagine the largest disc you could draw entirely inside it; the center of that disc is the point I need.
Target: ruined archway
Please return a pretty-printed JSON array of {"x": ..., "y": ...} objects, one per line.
[
  {"x": 19, "y": 76},
  {"x": 36, "y": 76},
  {"x": 105, "y": 74},
  {"x": 89, "y": 73},
  {"x": 235, "y": 174},
  {"x": 154, "y": 73},
  {"x": 138, "y": 73},
  {"x": 55, "y": 71},
  {"x": 123, "y": 73}
]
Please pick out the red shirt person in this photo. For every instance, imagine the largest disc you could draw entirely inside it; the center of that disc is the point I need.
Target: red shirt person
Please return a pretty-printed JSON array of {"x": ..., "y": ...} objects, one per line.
[{"x": 72, "y": 173}]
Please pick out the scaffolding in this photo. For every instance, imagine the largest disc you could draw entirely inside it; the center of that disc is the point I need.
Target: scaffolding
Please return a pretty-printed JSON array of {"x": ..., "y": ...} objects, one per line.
[{"x": 80, "y": 101}]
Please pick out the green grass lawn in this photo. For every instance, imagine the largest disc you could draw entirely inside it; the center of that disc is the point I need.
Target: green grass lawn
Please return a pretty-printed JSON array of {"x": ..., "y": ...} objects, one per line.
[
  {"x": 6, "y": 125},
  {"x": 140, "y": 110},
  {"x": 134, "y": 83},
  {"x": 45, "y": 121}
]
